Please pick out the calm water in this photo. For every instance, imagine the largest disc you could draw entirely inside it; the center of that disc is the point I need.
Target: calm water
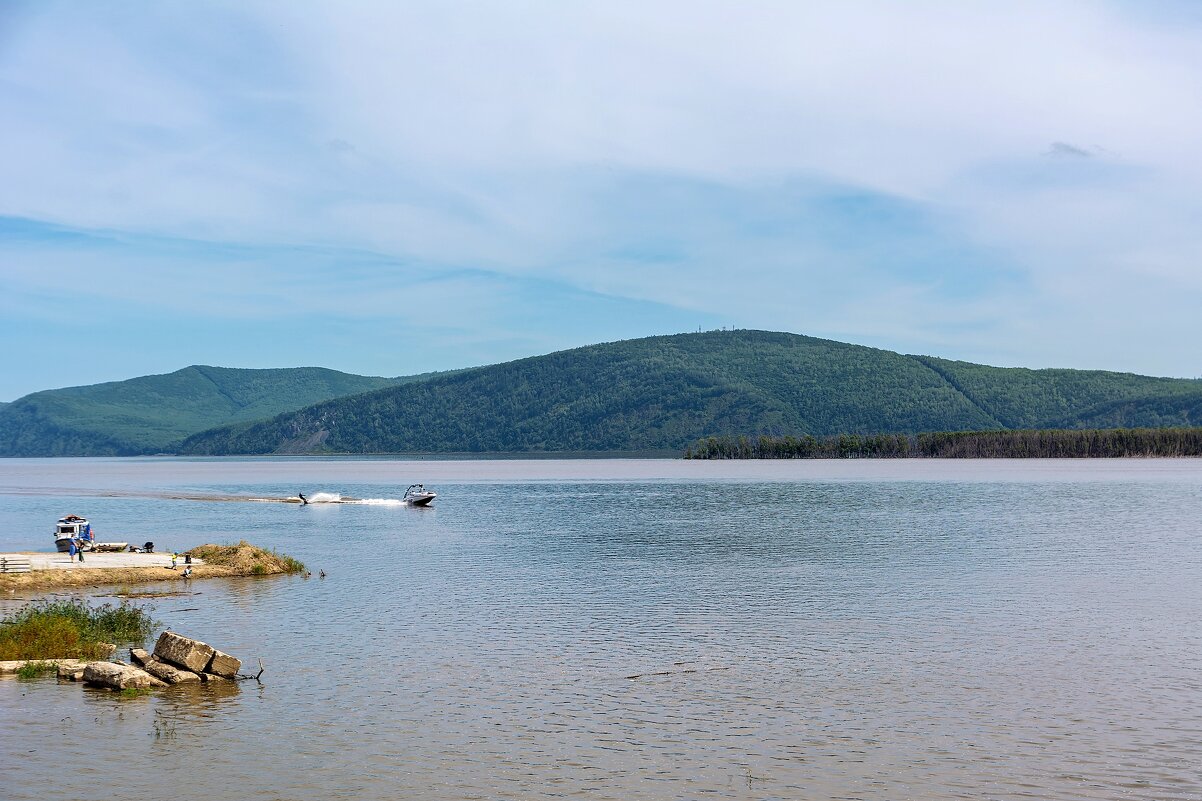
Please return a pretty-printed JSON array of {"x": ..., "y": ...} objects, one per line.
[{"x": 803, "y": 630}]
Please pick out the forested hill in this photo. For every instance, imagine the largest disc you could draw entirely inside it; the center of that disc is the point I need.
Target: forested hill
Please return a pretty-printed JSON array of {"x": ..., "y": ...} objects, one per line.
[
  {"x": 667, "y": 392},
  {"x": 1027, "y": 399},
  {"x": 153, "y": 414}
]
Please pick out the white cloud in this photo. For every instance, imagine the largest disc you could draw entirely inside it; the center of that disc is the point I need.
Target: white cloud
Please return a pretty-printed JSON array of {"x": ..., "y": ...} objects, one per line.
[{"x": 512, "y": 137}]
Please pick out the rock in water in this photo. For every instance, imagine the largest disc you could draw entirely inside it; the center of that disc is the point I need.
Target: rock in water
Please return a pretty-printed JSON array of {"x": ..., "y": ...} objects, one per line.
[
  {"x": 71, "y": 670},
  {"x": 139, "y": 656},
  {"x": 224, "y": 665},
  {"x": 119, "y": 677},
  {"x": 168, "y": 673},
  {"x": 192, "y": 655}
]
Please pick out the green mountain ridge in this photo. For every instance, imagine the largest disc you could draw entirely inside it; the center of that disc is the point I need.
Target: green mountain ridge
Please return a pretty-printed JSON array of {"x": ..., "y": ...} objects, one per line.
[
  {"x": 666, "y": 392},
  {"x": 1021, "y": 398},
  {"x": 153, "y": 414}
]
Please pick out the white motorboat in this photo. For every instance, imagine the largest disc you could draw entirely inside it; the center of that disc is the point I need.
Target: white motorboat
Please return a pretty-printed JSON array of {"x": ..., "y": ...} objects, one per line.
[
  {"x": 418, "y": 495},
  {"x": 72, "y": 528}
]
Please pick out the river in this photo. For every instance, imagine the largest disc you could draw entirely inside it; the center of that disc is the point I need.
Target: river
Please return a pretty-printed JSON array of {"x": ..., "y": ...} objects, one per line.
[{"x": 643, "y": 629}]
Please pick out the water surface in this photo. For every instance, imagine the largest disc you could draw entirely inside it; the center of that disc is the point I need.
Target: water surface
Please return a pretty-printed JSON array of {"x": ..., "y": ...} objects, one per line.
[{"x": 647, "y": 629}]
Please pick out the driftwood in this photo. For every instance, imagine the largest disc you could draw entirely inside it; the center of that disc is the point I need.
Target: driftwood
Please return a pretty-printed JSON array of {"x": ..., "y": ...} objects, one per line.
[{"x": 248, "y": 677}]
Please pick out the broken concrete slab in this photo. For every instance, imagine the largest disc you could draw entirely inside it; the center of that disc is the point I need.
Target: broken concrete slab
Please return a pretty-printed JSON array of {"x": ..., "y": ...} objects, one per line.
[
  {"x": 71, "y": 670},
  {"x": 168, "y": 673},
  {"x": 222, "y": 664},
  {"x": 119, "y": 677},
  {"x": 183, "y": 652},
  {"x": 14, "y": 665},
  {"x": 213, "y": 677}
]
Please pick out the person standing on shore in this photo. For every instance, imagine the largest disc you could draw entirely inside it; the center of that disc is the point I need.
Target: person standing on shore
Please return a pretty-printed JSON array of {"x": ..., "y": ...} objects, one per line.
[
  {"x": 71, "y": 550},
  {"x": 79, "y": 549}
]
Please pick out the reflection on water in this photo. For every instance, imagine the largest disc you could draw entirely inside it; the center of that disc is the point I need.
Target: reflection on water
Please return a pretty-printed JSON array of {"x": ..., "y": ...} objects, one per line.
[
  {"x": 650, "y": 630},
  {"x": 199, "y": 701}
]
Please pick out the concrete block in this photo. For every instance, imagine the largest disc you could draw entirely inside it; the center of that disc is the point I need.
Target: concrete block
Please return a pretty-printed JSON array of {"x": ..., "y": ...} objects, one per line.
[
  {"x": 168, "y": 673},
  {"x": 183, "y": 652},
  {"x": 225, "y": 665},
  {"x": 119, "y": 677}
]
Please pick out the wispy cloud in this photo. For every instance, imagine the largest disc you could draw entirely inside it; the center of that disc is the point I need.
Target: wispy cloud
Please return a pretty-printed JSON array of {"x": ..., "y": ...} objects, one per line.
[
  {"x": 1065, "y": 150},
  {"x": 986, "y": 181}
]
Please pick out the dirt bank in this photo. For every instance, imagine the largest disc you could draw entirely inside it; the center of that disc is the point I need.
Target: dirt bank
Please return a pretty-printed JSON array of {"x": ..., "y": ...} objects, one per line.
[{"x": 220, "y": 561}]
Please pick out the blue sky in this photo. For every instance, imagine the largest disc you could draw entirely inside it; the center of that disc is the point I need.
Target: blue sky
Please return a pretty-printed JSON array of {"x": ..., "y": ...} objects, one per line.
[{"x": 394, "y": 188}]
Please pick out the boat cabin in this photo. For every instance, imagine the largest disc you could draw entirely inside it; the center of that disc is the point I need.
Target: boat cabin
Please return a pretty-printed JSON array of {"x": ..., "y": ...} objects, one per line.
[{"x": 72, "y": 527}]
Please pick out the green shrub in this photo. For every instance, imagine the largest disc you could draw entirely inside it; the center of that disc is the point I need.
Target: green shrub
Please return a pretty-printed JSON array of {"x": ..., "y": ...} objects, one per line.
[
  {"x": 70, "y": 629},
  {"x": 31, "y": 670},
  {"x": 289, "y": 564}
]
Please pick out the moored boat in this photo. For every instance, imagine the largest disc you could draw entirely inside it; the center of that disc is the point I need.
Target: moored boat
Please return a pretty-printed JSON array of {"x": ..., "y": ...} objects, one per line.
[{"x": 72, "y": 528}]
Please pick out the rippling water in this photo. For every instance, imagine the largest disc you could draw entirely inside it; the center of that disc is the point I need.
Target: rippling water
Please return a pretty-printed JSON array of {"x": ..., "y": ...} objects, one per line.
[{"x": 646, "y": 629}]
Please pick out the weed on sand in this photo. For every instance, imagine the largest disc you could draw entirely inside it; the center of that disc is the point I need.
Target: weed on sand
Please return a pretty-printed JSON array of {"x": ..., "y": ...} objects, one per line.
[{"x": 247, "y": 559}]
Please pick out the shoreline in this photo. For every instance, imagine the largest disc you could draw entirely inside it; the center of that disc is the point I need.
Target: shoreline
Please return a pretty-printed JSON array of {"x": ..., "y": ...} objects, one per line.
[
  {"x": 101, "y": 577},
  {"x": 55, "y": 571}
]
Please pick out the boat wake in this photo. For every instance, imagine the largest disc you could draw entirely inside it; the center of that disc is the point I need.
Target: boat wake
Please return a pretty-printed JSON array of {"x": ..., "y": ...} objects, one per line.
[
  {"x": 324, "y": 499},
  {"x": 334, "y": 497}
]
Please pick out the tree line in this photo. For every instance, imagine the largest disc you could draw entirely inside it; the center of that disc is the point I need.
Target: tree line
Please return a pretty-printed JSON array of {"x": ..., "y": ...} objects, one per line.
[{"x": 1034, "y": 444}]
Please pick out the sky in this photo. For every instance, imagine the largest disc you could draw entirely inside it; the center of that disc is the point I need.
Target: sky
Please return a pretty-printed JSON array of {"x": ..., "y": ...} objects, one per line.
[{"x": 393, "y": 188}]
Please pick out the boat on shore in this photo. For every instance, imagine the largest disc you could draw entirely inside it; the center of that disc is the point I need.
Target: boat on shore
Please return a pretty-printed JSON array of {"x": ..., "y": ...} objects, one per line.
[
  {"x": 75, "y": 529},
  {"x": 418, "y": 495},
  {"x": 72, "y": 529}
]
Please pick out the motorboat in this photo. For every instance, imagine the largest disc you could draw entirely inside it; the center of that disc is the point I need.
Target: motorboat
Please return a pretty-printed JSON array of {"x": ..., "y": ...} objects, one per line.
[
  {"x": 72, "y": 529},
  {"x": 418, "y": 495}
]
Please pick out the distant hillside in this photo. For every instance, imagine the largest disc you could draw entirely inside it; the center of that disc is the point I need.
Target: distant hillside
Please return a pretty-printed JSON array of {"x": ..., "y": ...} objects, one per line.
[
  {"x": 666, "y": 392},
  {"x": 1019, "y": 398},
  {"x": 153, "y": 414}
]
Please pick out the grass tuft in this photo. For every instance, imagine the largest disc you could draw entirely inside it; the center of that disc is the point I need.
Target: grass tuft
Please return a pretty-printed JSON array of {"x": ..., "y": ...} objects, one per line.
[
  {"x": 70, "y": 629},
  {"x": 133, "y": 692},
  {"x": 290, "y": 565},
  {"x": 31, "y": 670}
]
